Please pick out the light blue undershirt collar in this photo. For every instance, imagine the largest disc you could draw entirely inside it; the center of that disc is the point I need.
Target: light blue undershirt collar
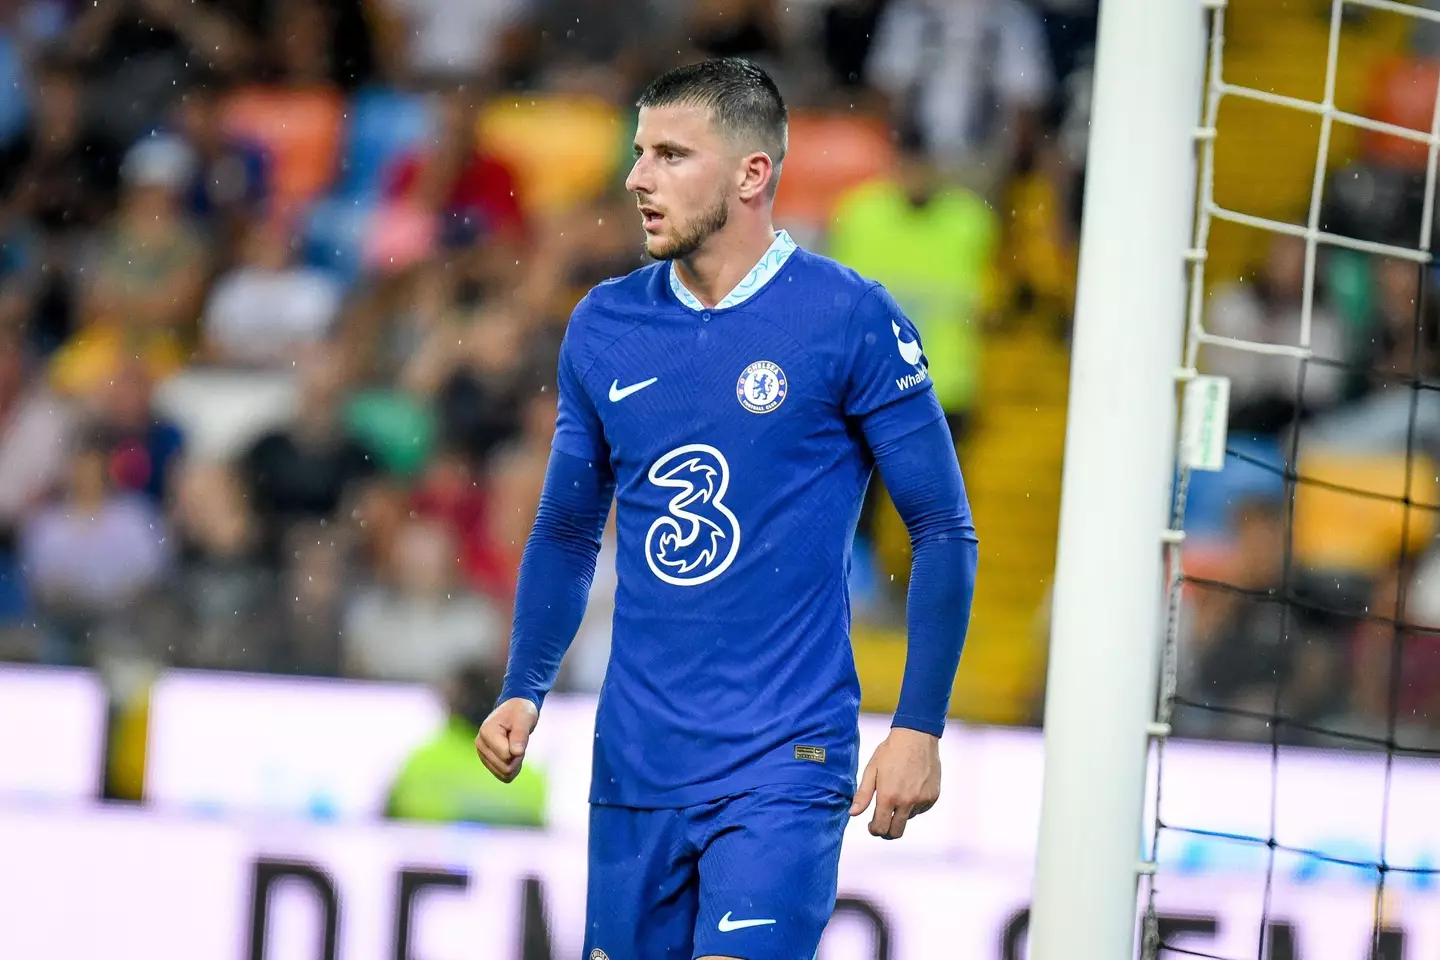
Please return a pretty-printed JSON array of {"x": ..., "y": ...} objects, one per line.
[{"x": 760, "y": 274}]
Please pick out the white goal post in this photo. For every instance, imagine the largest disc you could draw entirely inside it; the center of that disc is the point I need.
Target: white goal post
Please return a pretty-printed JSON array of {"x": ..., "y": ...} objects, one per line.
[{"x": 1105, "y": 636}]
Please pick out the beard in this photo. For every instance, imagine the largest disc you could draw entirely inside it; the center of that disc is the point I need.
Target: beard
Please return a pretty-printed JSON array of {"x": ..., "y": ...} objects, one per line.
[{"x": 692, "y": 235}]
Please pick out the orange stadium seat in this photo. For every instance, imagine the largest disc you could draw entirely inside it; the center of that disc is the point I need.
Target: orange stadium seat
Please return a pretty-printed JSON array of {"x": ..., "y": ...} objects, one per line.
[
  {"x": 564, "y": 150},
  {"x": 301, "y": 129},
  {"x": 1340, "y": 531},
  {"x": 829, "y": 154},
  {"x": 1402, "y": 92}
]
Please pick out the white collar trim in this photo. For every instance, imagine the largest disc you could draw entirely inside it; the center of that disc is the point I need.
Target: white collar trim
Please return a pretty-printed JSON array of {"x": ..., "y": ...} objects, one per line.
[{"x": 760, "y": 274}]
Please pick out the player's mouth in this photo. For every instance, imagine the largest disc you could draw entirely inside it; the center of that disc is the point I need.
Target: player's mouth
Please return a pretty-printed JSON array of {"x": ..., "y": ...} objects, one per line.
[{"x": 653, "y": 219}]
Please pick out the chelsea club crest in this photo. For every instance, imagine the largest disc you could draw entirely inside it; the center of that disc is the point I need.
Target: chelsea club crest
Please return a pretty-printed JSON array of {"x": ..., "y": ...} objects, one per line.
[{"x": 761, "y": 387}]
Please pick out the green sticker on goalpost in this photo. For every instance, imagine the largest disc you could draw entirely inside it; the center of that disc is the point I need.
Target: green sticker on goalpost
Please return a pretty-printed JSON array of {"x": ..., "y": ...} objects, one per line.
[{"x": 1203, "y": 422}]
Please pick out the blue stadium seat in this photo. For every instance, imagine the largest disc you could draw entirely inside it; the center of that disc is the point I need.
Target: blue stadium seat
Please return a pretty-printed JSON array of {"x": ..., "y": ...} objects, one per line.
[
  {"x": 334, "y": 235},
  {"x": 14, "y": 597},
  {"x": 1212, "y": 496},
  {"x": 383, "y": 124}
]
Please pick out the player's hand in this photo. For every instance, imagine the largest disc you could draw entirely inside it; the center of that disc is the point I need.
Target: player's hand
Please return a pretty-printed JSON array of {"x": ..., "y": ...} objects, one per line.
[
  {"x": 903, "y": 778},
  {"x": 504, "y": 736}
]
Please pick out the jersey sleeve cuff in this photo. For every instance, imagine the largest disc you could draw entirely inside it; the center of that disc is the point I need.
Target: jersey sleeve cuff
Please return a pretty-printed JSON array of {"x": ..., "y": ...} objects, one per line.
[
  {"x": 903, "y": 416},
  {"x": 576, "y": 447},
  {"x": 924, "y": 725},
  {"x": 511, "y": 693}
]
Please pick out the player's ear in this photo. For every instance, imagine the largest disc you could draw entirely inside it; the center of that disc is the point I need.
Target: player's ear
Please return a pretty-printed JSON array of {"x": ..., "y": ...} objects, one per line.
[{"x": 756, "y": 172}]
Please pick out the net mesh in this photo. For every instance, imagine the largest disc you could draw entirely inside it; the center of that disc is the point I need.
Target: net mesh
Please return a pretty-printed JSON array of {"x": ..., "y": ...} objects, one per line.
[{"x": 1390, "y": 754}]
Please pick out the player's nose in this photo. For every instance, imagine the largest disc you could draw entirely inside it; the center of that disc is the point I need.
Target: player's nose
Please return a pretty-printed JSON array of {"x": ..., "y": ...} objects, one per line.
[{"x": 638, "y": 181}]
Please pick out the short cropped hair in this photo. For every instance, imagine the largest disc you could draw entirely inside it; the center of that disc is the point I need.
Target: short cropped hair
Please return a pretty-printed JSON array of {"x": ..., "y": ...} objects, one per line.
[{"x": 745, "y": 103}]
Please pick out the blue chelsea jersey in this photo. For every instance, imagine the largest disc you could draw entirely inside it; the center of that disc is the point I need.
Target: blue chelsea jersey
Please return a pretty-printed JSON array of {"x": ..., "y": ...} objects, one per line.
[{"x": 739, "y": 438}]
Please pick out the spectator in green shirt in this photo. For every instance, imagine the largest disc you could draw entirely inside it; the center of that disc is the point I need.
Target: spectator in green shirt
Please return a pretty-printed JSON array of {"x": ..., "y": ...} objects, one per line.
[
  {"x": 442, "y": 781},
  {"x": 932, "y": 244}
]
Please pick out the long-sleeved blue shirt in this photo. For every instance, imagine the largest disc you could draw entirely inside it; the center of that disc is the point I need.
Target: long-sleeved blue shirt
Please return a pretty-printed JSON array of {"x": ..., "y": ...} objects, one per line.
[{"x": 737, "y": 443}]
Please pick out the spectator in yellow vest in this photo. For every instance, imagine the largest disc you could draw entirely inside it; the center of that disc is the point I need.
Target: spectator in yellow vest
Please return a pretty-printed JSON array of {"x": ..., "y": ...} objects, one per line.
[
  {"x": 442, "y": 782},
  {"x": 932, "y": 244}
]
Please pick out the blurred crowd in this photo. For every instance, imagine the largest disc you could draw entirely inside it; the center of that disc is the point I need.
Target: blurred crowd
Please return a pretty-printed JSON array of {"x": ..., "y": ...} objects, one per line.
[
  {"x": 1314, "y": 612},
  {"x": 282, "y": 284}
]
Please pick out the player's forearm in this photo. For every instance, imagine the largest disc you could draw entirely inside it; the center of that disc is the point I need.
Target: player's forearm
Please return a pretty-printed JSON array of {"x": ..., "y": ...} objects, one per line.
[
  {"x": 942, "y": 585},
  {"x": 924, "y": 482},
  {"x": 556, "y": 571}
]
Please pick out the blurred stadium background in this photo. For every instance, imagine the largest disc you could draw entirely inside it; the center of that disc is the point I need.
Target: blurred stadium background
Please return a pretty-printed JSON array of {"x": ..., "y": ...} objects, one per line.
[{"x": 281, "y": 287}]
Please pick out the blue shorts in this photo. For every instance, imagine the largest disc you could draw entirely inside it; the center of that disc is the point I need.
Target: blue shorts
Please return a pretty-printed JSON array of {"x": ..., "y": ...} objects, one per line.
[{"x": 750, "y": 876}]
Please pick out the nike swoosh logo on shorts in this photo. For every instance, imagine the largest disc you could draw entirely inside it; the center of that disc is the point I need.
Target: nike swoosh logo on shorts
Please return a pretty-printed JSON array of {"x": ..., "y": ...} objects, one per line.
[
  {"x": 618, "y": 392},
  {"x": 726, "y": 924}
]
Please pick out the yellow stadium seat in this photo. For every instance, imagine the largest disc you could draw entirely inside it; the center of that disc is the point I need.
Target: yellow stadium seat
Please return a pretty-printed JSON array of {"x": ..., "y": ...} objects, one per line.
[
  {"x": 1337, "y": 530},
  {"x": 129, "y": 734},
  {"x": 299, "y": 128},
  {"x": 1041, "y": 257},
  {"x": 563, "y": 149},
  {"x": 95, "y": 355},
  {"x": 1264, "y": 154}
]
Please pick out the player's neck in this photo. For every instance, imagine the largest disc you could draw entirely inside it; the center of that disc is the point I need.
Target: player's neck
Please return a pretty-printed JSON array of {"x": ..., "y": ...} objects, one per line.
[{"x": 715, "y": 269}]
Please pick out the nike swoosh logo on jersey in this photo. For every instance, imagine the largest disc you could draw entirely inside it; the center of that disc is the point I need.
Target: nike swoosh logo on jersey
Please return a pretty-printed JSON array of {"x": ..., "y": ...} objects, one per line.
[
  {"x": 618, "y": 392},
  {"x": 909, "y": 349},
  {"x": 726, "y": 924}
]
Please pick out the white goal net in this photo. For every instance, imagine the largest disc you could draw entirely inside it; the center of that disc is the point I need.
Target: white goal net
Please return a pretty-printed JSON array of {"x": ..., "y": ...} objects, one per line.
[{"x": 1303, "y": 604}]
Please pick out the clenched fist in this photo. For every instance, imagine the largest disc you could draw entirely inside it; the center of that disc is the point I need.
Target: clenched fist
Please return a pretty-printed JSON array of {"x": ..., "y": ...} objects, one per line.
[{"x": 504, "y": 735}]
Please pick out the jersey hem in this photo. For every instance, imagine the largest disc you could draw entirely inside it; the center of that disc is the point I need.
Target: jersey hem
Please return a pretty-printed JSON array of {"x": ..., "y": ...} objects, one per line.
[{"x": 696, "y": 794}]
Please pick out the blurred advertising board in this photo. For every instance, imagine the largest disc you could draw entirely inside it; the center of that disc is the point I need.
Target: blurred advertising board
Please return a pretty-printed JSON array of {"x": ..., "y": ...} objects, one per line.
[
  {"x": 281, "y": 745},
  {"x": 52, "y": 733},
  {"x": 1336, "y": 804},
  {"x": 328, "y": 750},
  {"x": 140, "y": 885}
]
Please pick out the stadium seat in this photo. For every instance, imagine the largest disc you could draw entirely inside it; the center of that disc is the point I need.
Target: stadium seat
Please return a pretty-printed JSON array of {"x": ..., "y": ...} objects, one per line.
[
  {"x": 301, "y": 130},
  {"x": 95, "y": 353},
  {"x": 1041, "y": 259},
  {"x": 1402, "y": 93},
  {"x": 1265, "y": 155},
  {"x": 383, "y": 124},
  {"x": 562, "y": 149},
  {"x": 14, "y": 596},
  {"x": 1341, "y": 531},
  {"x": 829, "y": 154},
  {"x": 334, "y": 236},
  {"x": 1212, "y": 496},
  {"x": 128, "y": 739}
]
